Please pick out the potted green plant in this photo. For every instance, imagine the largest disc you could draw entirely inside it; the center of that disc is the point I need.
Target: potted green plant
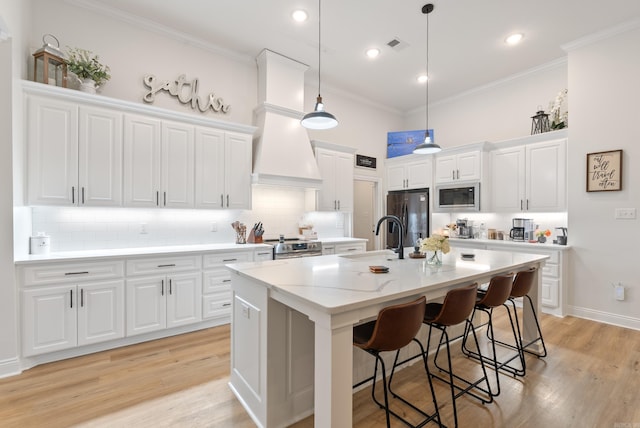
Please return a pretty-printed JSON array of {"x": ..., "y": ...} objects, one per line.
[{"x": 87, "y": 66}]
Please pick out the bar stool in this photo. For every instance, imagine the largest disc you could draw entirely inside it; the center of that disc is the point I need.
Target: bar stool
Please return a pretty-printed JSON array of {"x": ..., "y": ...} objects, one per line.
[
  {"x": 457, "y": 307},
  {"x": 522, "y": 284},
  {"x": 494, "y": 296},
  {"x": 395, "y": 327}
]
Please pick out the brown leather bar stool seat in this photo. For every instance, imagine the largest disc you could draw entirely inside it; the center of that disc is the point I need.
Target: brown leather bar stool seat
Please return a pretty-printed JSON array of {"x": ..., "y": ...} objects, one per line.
[
  {"x": 522, "y": 284},
  {"x": 494, "y": 296},
  {"x": 395, "y": 327},
  {"x": 457, "y": 307}
]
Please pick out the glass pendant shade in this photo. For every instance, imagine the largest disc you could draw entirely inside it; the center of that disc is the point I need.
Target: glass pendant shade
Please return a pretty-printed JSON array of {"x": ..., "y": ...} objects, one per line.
[{"x": 319, "y": 118}]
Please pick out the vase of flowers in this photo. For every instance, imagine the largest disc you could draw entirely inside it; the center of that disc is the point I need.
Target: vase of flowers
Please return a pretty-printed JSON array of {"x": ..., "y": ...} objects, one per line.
[
  {"x": 542, "y": 235},
  {"x": 558, "y": 114},
  {"x": 434, "y": 247},
  {"x": 91, "y": 73}
]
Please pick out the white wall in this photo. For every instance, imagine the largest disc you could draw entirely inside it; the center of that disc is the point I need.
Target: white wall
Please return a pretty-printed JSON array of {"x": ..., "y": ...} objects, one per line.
[
  {"x": 604, "y": 115},
  {"x": 496, "y": 112},
  {"x": 14, "y": 14}
]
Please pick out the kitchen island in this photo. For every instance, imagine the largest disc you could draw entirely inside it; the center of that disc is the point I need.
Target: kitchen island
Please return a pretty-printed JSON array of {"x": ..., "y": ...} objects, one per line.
[{"x": 292, "y": 323}]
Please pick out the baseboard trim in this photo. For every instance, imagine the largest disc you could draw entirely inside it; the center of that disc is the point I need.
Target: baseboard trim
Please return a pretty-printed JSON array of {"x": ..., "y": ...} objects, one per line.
[
  {"x": 10, "y": 367},
  {"x": 605, "y": 317}
]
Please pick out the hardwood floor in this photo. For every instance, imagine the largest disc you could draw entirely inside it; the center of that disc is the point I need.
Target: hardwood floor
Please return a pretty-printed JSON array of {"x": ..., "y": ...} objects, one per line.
[{"x": 591, "y": 378}]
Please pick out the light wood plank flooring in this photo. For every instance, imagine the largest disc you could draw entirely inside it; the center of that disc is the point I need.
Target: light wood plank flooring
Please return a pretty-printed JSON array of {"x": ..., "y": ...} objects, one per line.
[{"x": 591, "y": 378}]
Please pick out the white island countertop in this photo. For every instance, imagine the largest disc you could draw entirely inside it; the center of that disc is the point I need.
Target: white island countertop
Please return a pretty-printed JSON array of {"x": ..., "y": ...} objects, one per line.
[
  {"x": 292, "y": 323},
  {"x": 344, "y": 282}
]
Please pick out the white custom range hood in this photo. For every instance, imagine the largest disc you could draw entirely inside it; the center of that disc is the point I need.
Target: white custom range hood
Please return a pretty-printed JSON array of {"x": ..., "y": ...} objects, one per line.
[{"x": 282, "y": 153}]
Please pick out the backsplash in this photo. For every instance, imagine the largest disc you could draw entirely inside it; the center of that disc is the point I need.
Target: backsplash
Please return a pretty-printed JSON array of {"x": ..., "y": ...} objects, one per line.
[{"x": 279, "y": 208}]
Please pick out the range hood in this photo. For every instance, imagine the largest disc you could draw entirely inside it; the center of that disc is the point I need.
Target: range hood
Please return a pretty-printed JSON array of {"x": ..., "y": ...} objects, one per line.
[{"x": 282, "y": 153}]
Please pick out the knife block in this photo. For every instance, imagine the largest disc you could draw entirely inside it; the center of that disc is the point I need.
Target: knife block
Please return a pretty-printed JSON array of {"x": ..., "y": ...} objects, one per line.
[{"x": 252, "y": 239}]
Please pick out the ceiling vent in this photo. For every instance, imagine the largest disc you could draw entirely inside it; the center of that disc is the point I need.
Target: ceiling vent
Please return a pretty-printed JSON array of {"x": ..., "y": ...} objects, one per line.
[{"x": 396, "y": 44}]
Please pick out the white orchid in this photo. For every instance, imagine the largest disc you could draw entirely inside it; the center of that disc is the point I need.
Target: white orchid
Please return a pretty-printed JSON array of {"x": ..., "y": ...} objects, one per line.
[{"x": 559, "y": 118}]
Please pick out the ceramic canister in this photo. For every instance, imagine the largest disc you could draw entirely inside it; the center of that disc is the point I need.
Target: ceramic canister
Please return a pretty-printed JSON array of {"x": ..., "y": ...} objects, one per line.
[{"x": 39, "y": 244}]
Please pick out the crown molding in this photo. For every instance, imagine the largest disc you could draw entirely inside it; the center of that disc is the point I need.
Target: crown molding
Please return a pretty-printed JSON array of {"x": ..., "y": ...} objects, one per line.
[{"x": 601, "y": 35}]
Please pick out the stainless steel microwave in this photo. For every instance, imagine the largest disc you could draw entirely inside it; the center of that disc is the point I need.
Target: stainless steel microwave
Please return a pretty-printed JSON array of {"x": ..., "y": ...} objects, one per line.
[{"x": 458, "y": 197}]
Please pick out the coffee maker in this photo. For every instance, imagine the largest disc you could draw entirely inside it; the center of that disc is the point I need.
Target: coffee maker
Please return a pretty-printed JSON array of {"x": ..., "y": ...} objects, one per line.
[
  {"x": 465, "y": 229},
  {"x": 522, "y": 229}
]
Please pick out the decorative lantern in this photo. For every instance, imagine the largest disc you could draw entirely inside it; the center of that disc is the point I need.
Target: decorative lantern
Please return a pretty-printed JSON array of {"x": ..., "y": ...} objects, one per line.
[
  {"x": 49, "y": 64},
  {"x": 540, "y": 123}
]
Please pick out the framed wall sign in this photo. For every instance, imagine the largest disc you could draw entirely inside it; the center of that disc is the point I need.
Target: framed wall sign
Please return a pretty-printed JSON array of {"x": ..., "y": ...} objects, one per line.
[
  {"x": 363, "y": 161},
  {"x": 604, "y": 171}
]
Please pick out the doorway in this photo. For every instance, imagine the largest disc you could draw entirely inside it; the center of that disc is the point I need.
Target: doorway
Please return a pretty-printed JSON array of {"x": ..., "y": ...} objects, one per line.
[{"x": 365, "y": 201}]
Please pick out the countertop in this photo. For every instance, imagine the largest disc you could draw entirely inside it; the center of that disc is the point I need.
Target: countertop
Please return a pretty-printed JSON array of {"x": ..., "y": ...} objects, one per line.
[
  {"x": 84, "y": 255},
  {"x": 343, "y": 282},
  {"x": 530, "y": 245}
]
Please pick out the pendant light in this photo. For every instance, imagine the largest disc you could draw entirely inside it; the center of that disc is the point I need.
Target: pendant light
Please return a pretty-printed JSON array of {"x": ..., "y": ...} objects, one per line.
[
  {"x": 319, "y": 118},
  {"x": 428, "y": 147}
]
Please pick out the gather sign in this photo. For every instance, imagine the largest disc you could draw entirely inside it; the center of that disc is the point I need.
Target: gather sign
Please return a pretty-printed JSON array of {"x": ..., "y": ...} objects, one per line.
[{"x": 185, "y": 91}]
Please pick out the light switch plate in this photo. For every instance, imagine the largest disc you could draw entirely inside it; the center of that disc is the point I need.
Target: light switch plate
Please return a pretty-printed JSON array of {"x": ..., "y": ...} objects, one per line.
[{"x": 625, "y": 213}]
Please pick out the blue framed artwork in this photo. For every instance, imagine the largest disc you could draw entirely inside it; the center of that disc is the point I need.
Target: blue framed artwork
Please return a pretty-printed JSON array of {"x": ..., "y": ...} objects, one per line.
[{"x": 403, "y": 142}]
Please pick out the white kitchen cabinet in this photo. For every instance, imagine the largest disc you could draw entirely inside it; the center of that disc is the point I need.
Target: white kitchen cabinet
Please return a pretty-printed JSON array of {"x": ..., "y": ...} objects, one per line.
[
  {"x": 466, "y": 166},
  {"x": 74, "y": 154},
  {"x": 223, "y": 169},
  {"x": 216, "y": 284},
  {"x": 530, "y": 177},
  {"x": 416, "y": 174},
  {"x": 336, "y": 170},
  {"x": 263, "y": 255},
  {"x": 328, "y": 249},
  {"x": 167, "y": 294},
  {"x": 64, "y": 316},
  {"x": 159, "y": 161}
]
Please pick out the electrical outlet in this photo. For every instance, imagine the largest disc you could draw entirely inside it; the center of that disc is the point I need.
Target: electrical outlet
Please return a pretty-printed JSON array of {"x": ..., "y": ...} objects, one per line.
[
  {"x": 625, "y": 213},
  {"x": 214, "y": 227},
  {"x": 143, "y": 228},
  {"x": 619, "y": 291}
]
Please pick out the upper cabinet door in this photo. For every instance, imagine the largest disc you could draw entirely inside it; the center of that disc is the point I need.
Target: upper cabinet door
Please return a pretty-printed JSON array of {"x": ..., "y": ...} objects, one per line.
[
  {"x": 210, "y": 168},
  {"x": 344, "y": 181},
  {"x": 468, "y": 166},
  {"x": 327, "y": 195},
  {"x": 142, "y": 161},
  {"x": 178, "y": 165},
  {"x": 546, "y": 176},
  {"x": 238, "y": 171},
  {"x": 508, "y": 179},
  {"x": 100, "y": 152},
  {"x": 52, "y": 152}
]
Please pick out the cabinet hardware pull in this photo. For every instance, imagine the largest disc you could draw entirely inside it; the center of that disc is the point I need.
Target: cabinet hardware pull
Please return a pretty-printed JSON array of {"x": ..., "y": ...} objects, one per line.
[
  {"x": 169, "y": 265},
  {"x": 228, "y": 260},
  {"x": 83, "y": 195},
  {"x": 527, "y": 204},
  {"x": 221, "y": 200},
  {"x": 227, "y": 201},
  {"x": 338, "y": 204},
  {"x": 335, "y": 206},
  {"x": 226, "y": 280},
  {"x": 76, "y": 273},
  {"x": 226, "y": 304},
  {"x": 82, "y": 297},
  {"x": 263, "y": 254},
  {"x": 458, "y": 173},
  {"x": 157, "y": 198},
  {"x": 520, "y": 204},
  {"x": 162, "y": 287},
  {"x": 170, "y": 288},
  {"x": 73, "y": 195},
  {"x": 165, "y": 198},
  {"x": 71, "y": 294},
  {"x": 352, "y": 249}
]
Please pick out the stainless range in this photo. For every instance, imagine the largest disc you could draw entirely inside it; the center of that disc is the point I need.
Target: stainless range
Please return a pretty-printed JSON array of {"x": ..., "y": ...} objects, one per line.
[{"x": 295, "y": 248}]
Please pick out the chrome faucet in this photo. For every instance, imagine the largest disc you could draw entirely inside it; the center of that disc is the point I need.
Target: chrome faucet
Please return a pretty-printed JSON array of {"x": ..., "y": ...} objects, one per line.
[{"x": 394, "y": 219}]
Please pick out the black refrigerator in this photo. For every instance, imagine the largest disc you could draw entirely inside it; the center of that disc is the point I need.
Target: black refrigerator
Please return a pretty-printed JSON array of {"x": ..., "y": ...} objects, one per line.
[{"x": 412, "y": 208}]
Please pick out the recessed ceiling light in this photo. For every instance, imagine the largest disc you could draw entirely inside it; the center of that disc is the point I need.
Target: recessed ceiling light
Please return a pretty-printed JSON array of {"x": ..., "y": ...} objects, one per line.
[
  {"x": 422, "y": 78},
  {"x": 514, "y": 39},
  {"x": 299, "y": 15},
  {"x": 373, "y": 52}
]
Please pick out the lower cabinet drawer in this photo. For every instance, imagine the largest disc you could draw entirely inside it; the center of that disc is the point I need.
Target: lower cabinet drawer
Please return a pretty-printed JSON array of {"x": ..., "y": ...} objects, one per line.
[
  {"x": 216, "y": 281},
  {"x": 216, "y": 305},
  {"x": 551, "y": 270}
]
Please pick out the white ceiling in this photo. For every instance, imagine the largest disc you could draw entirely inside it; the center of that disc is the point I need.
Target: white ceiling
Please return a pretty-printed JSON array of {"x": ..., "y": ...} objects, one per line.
[{"x": 466, "y": 48}]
